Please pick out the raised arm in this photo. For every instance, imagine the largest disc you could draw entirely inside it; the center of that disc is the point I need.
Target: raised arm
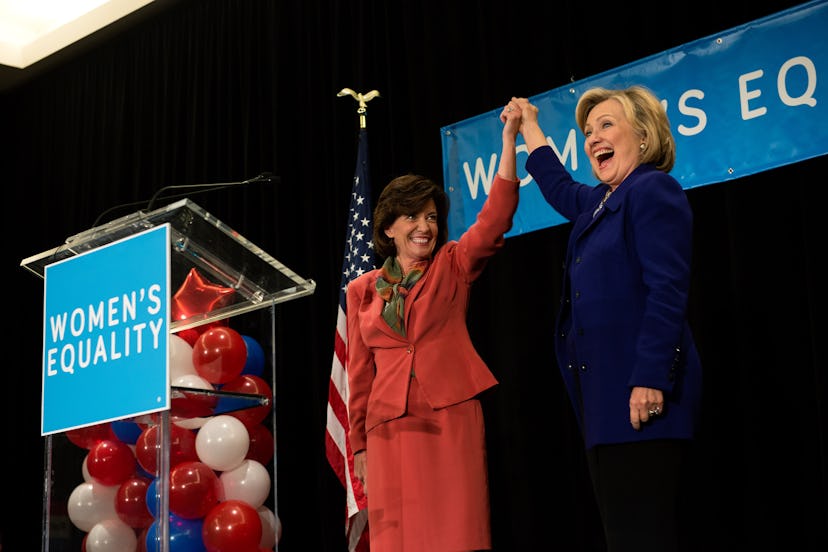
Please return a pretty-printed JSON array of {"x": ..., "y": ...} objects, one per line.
[
  {"x": 529, "y": 127},
  {"x": 511, "y": 117}
]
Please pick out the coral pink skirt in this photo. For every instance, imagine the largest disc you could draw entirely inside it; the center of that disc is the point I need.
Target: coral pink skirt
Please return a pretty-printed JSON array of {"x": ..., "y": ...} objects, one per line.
[{"x": 427, "y": 479}]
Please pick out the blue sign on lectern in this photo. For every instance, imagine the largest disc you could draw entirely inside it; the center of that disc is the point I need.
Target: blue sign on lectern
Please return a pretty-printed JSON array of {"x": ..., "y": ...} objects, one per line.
[{"x": 106, "y": 333}]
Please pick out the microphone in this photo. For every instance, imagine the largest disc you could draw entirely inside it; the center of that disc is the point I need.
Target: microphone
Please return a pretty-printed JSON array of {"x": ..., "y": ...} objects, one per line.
[{"x": 263, "y": 177}]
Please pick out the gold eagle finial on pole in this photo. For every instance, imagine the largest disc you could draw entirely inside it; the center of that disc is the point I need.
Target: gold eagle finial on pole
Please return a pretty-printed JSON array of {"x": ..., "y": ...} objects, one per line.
[{"x": 363, "y": 99}]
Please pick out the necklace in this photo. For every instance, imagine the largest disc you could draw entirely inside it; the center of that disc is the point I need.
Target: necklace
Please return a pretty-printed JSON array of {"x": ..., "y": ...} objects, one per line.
[{"x": 601, "y": 205}]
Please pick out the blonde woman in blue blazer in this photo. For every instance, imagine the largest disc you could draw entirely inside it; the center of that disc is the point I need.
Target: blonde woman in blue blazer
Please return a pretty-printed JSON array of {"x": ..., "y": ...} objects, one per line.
[{"x": 623, "y": 344}]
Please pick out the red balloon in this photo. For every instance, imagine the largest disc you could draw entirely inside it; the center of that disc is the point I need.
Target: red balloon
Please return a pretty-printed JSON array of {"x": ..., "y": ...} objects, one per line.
[
  {"x": 148, "y": 446},
  {"x": 131, "y": 503},
  {"x": 250, "y": 385},
  {"x": 110, "y": 462},
  {"x": 142, "y": 540},
  {"x": 261, "y": 444},
  {"x": 232, "y": 526},
  {"x": 219, "y": 354},
  {"x": 194, "y": 490},
  {"x": 87, "y": 437},
  {"x": 190, "y": 335}
]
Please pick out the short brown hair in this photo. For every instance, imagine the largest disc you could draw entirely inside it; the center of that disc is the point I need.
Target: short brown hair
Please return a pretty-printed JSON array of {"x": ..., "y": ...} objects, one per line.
[{"x": 407, "y": 195}]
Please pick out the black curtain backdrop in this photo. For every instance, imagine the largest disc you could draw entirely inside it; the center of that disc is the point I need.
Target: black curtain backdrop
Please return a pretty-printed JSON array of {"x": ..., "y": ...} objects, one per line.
[{"x": 221, "y": 90}]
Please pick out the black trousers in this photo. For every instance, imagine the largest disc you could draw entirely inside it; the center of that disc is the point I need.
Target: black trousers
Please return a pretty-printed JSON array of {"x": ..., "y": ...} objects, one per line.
[{"x": 637, "y": 488}]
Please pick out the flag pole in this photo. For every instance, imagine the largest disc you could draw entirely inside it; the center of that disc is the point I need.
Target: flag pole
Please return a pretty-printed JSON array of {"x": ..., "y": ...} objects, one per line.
[
  {"x": 357, "y": 260},
  {"x": 363, "y": 100}
]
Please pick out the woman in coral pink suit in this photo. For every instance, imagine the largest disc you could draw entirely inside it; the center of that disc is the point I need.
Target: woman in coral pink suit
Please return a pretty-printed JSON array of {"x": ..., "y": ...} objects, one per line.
[{"x": 417, "y": 428}]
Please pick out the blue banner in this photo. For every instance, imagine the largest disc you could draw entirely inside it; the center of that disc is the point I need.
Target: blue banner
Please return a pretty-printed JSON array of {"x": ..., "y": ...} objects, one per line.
[{"x": 740, "y": 102}]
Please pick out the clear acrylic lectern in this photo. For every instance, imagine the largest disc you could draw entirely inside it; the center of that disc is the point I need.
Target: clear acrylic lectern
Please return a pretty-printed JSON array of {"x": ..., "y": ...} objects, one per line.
[{"x": 78, "y": 507}]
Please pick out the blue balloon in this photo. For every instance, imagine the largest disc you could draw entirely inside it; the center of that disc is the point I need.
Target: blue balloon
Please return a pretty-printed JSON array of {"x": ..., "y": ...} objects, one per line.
[
  {"x": 255, "y": 357},
  {"x": 185, "y": 535},
  {"x": 127, "y": 432},
  {"x": 152, "y": 497}
]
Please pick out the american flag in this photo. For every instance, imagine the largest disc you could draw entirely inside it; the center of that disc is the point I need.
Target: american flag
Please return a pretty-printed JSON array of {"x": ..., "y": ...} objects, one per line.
[{"x": 359, "y": 258}]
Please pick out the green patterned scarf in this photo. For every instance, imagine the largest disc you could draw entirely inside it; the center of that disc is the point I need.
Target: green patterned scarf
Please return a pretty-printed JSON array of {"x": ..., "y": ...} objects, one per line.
[{"x": 393, "y": 288}]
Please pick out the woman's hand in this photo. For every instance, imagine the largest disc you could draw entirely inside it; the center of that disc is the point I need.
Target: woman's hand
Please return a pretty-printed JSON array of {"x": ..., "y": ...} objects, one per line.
[
  {"x": 510, "y": 116},
  {"x": 529, "y": 112},
  {"x": 529, "y": 127},
  {"x": 644, "y": 403},
  {"x": 361, "y": 469}
]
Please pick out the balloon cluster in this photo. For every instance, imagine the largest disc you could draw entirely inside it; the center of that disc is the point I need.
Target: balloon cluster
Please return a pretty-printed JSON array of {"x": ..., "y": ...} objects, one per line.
[{"x": 218, "y": 480}]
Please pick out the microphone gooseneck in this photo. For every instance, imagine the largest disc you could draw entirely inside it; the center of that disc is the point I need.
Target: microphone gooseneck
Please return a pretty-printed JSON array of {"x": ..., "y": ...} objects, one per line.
[{"x": 263, "y": 177}]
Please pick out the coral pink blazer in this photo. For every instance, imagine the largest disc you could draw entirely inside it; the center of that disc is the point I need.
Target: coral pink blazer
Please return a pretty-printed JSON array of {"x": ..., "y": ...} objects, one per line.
[{"x": 437, "y": 349}]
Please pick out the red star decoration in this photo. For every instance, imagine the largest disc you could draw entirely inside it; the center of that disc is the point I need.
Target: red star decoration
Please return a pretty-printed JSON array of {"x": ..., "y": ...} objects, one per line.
[{"x": 197, "y": 296}]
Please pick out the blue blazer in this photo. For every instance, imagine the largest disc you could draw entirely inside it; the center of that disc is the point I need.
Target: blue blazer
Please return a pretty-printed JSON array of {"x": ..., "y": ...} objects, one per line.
[{"x": 622, "y": 321}]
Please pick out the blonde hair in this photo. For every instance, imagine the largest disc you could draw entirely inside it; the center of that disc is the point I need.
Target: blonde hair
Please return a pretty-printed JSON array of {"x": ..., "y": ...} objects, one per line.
[{"x": 645, "y": 114}]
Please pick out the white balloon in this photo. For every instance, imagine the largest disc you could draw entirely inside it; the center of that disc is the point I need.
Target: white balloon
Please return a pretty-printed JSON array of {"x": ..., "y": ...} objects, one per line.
[
  {"x": 188, "y": 423},
  {"x": 271, "y": 528},
  {"x": 90, "y": 503},
  {"x": 181, "y": 358},
  {"x": 191, "y": 381},
  {"x": 248, "y": 482},
  {"x": 85, "y": 470},
  {"x": 222, "y": 442},
  {"x": 111, "y": 535}
]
